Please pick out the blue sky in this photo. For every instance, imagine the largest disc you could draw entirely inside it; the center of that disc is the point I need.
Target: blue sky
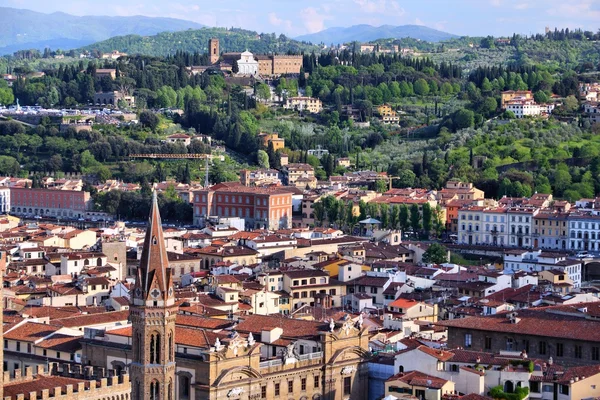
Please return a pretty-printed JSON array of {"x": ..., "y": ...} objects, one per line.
[{"x": 296, "y": 17}]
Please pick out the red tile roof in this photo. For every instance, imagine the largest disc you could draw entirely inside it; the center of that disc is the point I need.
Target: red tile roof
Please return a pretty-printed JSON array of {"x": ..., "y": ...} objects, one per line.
[
  {"x": 30, "y": 331},
  {"x": 546, "y": 321},
  {"x": 417, "y": 378}
]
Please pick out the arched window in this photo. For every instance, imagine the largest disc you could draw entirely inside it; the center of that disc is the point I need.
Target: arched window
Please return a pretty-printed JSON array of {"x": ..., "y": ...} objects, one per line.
[
  {"x": 509, "y": 387},
  {"x": 139, "y": 355},
  {"x": 313, "y": 281},
  {"x": 152, "y": 349},
  {"x": 401, "y": 368},
  {"x": 154, "y": 390},
  {"x": 138, "y": 392},
  {"x": 157, "y": 356},
  {"x": 86, "y": 262},
  {"x": 170, "y": 346}
]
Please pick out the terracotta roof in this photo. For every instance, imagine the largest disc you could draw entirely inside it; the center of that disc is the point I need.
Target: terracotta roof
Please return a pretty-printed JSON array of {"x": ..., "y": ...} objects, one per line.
[
  {"x": 546, "y": 321},
  {"x": 12, "y": 390},
  {"x": 305, "y": 273},
  {"x": 403, "y": 303},
  {"x": 439, "y": 354},
  {"x": 417, "y": 378},
  {"x": 61, "y": 342},
  {"x": 93, "y": 319},
  {"x": 197, "y": 321},
  {"x": 223, "y": 279},
  {"x": 292, "y": 328},
  {"x": 30, "y": 331}
]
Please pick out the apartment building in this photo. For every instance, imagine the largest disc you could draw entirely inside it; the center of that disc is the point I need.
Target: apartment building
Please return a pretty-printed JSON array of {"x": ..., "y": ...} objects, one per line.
[
  {"x": 269, "y": 208},
  {"x": 520, "y": 225},
  {"x": 52, "y": 202},
  {"x": 483, "y": 225},
  {"x": 310, "y": 104},
  {"x": 550, "y": 229},
  {"x": 584, "y": 230}
]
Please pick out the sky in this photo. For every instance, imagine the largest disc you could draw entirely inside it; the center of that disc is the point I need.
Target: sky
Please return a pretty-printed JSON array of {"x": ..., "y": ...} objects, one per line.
[{"x": 297, "y": 17}]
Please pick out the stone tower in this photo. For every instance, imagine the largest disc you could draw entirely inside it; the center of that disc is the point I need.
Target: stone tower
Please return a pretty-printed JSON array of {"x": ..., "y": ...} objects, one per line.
[
  {"x": 152, "y": 314},
  {"x": 213, "y": 50}
]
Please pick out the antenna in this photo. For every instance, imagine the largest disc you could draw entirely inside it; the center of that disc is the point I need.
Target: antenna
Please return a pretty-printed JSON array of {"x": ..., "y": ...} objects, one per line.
[{"x": 206, "y": 173}]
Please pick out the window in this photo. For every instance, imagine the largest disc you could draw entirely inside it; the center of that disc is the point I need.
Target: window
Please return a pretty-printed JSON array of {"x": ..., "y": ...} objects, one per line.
[
  {"x": 347, "y": 385},
  {"x": 29, "y": 347},
  {"x": 559, "y": 350},
  {"x": 510, "y": 344},
  {"x": 263, "y": 392},
  {"x": 316, "y": 382},
  {"x": 596, "y": 353},
  {"x": 578, "y": 352},
  {"x": 18, "y": 346},
  {"x": 5, "y": 344},
  {"x": 543, "y": 348},
  {"x": 488, "y": 343},
  {"x": 373, "y": 290},
  {"x": 534, "y": 386},
  {"x": 468, "y": 340},
  {"x": 564, "y": 389},
  {"x": 58, "y": 354},
  {"x": 277, "y": 389},
  {"x": 290, "y": 386},
  {"x": 303, "y": 384}
]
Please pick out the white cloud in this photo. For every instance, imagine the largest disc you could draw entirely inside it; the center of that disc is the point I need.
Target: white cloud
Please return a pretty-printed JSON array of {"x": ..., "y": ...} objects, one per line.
[
  {"x": 389, "y": 7},
  {"x": 584, "y": 9},
  {"x": 522, "y": 6},
  {"x": 280, "y": 22},
  {"x": 313, "y": 20}
]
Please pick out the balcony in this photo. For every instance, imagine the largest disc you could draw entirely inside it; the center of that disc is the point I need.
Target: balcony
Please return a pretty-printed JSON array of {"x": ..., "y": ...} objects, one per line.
[{"x": 277, "y": 364}]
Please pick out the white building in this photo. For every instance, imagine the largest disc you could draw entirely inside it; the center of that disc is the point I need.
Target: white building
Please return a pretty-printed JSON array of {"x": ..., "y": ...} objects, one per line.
[
  {"x": 537, "y": 260},
  {"x": 309, "y": 104},
  {"x": 584, "y": 230},
  {"x": 483, "y": 225},
  {"x": 520, "y": 226},
  {"x": 522, "y": 107},
  {"x": 4, "y": 200},
  {"x": 247, "y": 65},
  {"x": 593, "y": 111}
]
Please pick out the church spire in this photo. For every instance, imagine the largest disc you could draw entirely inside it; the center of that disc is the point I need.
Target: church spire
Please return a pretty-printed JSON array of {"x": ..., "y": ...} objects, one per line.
[
  {"x": 154, "y": 281},
  {"x": 153, "y": 313}
]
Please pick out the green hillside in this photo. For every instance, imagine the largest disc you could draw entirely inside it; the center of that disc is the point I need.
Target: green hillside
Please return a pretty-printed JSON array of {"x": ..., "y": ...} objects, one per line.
[{"x": 197, "y": 41}]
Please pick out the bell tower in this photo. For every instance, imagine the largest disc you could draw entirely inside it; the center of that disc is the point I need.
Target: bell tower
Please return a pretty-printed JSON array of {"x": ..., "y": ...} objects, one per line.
[
  {"x": 213, "y": 50},
  {"x": 153, "y": 312}
]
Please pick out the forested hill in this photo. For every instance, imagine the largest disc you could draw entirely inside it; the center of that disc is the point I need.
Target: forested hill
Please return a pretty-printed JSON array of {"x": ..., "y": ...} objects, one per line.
[
  {"x": 233, "y": 39},
  {"x": 26, "y": 29}
]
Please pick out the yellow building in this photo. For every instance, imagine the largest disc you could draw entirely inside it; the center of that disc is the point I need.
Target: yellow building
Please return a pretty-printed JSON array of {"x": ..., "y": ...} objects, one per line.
[
  {"x": 511, "y": 94},
  {"x": 266, "y": 138},
  {"x": 385, "y": 110}
]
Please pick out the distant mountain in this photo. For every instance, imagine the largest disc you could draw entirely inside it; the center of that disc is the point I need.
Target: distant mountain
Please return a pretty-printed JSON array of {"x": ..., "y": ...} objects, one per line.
[
  {"x": 230, "y": 40},
  {"x": 25, "y": 29},
  {"x": 366, "y": 33}
]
